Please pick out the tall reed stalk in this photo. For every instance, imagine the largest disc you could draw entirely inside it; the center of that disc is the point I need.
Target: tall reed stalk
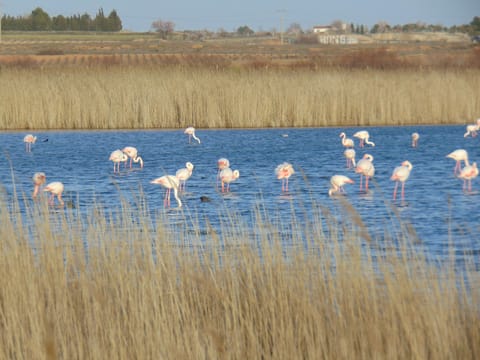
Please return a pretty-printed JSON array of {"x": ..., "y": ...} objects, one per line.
[
  {"x": 150, "y": 97},
  {"x": 109, "y": 287}
]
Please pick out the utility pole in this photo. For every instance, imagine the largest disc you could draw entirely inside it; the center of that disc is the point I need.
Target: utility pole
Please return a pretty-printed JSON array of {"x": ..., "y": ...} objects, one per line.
[{"x": 281, "y": 11}]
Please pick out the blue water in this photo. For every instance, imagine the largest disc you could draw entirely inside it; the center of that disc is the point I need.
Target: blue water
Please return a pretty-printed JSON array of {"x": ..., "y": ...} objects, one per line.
[{"x": 440, "y": 213}]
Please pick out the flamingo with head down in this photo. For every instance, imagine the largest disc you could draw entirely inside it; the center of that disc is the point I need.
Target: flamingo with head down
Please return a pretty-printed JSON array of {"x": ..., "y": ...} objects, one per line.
[
  {"x": 169, "y": 182},
  {"x": 459, "y": 155},
  {"x": 132, "y": 153},
  {"x": 364, "y": 137},
  {"x": 190, "y": 131},
  {"x": 337, "y": 182},
  {"x": 39, "y": 179},
  {"x": 55, "y": 189}
]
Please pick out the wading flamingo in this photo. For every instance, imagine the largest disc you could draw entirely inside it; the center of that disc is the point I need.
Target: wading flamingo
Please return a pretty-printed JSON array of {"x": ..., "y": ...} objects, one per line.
[
  {"x": 190, "y": 131},
  {"x": 337, "y": 182},
  {"x": 366, "y": 169},
  {"x": 169, "y": 182},
  {"x": 117, "y": 157},
  {"x": 55, "y": 188},
  {"x": 415, "y": 137},
  {"x": 29, "y": 140},
  {"x": 346, "y": 142},
  {"x": 283, "y": 172},
  {"x": 472, "y": 129},
  {"x": 228, "y": 175},
  {"x": 364, "y": 137},
  {"x": 467, "y": 174},
  {"x": 222, "y": 163},
  {"x": 39, "y": 179},
  {"x": 132, "y": 153},
  {"x": 459, "y": 155},
  {"x": 350, "y": 156},
  {"x": 401, "y": 174},
  {"x": 184, "y": 174}
]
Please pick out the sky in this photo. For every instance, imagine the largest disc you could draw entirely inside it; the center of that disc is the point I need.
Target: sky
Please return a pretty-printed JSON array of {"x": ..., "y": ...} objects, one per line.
[{"x": 259, "y": 15}]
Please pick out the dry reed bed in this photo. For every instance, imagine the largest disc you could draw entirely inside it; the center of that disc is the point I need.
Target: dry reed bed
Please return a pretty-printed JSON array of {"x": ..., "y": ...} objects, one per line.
[
  {"x": 219, "y": 299},
  {"x": 147, "y": 97}
]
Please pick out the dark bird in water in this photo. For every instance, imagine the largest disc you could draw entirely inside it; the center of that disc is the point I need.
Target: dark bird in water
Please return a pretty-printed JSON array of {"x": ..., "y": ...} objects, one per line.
[{"x": 205, "y": 199}]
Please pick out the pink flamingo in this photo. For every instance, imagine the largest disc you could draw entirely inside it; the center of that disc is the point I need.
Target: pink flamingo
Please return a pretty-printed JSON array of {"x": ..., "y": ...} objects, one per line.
[
  {"x": 55, "y": 188},
  {"x": 283, "y": 172},
  {"x": 346, "y": 141},
  {"x": 467, "y": 174},
  {"x": 190, "y": 131},
  {"x": 117, "y": 157},
  {"x": 364, "y": 137},
  {"x": 132, "y": 153},
  {"x": 366, "y": 169},
  {"x": 184, "y": 174},
  {"x": 415, "y": 137},
  {"x": 472, "y": 129},
  {"x": 222, "y": 163},
  {"x": 401, "y": 174},
  {"x": 169, "y": 182},
  {"x": 350, "y": 156},
  {"x": 459, "y": 155},
  {"x": 39, "y": 179},
  {"x": 337, "y": 182},
  {"x": 29, "y": 140},
  {"x": 228, "y": 175}
]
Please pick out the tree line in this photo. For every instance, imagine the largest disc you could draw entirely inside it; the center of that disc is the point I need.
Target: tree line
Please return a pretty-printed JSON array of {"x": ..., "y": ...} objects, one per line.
[{"x": 39, "y": 20}]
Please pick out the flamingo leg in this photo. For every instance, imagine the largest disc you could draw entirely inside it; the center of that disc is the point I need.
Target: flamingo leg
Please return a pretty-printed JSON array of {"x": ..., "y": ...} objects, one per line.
[
  {"x": 403, "y": 190},
  {"x": 361, "y": 178},
  {"x": 286, "y": 185},
  {"x": 395, "y": 191},
  {"x": 366, "y": 183}
]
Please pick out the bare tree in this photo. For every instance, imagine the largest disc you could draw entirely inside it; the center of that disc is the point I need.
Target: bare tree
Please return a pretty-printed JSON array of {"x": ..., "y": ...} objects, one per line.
[
  {"x": 294, "y": 28},
  {"x": 163, "y": 28}
]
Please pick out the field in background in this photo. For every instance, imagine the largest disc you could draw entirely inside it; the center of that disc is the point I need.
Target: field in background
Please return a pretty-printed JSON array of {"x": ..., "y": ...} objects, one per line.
[{"x": 130, "y": 81}]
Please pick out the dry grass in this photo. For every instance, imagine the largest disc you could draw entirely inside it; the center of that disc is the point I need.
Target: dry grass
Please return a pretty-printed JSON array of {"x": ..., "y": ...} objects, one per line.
[
  {"x": 172, "y": 95},
  {"x": 105, "y": 288}
]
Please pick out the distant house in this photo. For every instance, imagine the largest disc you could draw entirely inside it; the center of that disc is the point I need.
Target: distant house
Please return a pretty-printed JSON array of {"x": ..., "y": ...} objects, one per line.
[{"x": 322, "y": 29}]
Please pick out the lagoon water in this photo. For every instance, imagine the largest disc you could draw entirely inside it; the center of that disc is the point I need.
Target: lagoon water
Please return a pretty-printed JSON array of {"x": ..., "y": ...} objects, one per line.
[{"x": 442, "y": 215}]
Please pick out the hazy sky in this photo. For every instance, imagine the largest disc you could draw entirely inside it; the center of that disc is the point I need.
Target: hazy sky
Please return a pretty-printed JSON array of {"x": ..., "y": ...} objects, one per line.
[{"x": 138, "y": 15}]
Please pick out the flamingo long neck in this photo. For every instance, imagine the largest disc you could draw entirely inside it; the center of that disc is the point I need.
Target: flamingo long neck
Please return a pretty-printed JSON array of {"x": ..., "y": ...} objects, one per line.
[
  {"x": 138, "y": 159},
  {"x": 196, "y": 138},
  {"x": 367, "y": 141},
  {"x": 175, "y": 193}
]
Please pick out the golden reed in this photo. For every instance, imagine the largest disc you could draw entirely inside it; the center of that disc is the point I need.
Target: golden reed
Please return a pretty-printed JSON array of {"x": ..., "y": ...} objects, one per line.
[
  {"x": 121, "y": 285},
  {"x": 86, "y": 96}
]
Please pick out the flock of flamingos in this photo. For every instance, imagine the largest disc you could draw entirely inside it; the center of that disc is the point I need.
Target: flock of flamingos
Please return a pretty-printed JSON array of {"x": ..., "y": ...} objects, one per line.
[{"x": 283, "y": 172}]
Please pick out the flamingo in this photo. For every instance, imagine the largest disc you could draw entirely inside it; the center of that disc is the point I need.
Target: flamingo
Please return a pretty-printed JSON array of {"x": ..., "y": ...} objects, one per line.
[
  {"x": 283, "y": 172},
  {"x": 346, "y": 141},
  {"x": 117, "y": 157},
  {"x": 350, "y": 156},
  {"x": 184, "y": 174},
  {"x": 472, "y": 129},
  {"x": 366, "y": 169},
  {"x": 132, "y": 153},
  {"x": 415, "y": 137},
  {"x": 190, "y": 131},
  {"x": 459, "y": 155},
  {"x": 55, "y": 188},
  {"x": 364, "y": 137},
  {"x": 39, "y": 179},
  {"x": 467, "y": 174},
  {"x": 401, "y": 174},
  {"x": 222, "y": 163},
  {"x": 228, "y": 175},
  {"x": 337, "y": 182},
  {"x": 29, "y": 140},
  {"x": 169, "y": 182}
]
